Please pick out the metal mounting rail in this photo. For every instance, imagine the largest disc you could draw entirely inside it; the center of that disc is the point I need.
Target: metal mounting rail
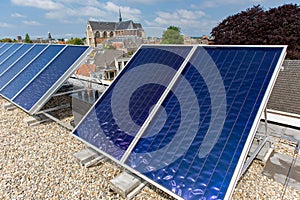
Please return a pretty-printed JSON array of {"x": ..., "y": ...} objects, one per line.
[
  {"x": 253, "y": 155},
  {"x": 68, "y": 92},
  {"x": 54, "y": 109},
  {"x": 57, "y": 120}
]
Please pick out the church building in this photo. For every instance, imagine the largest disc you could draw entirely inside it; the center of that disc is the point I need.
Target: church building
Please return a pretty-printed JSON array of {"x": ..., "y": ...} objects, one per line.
[{"x": 97, "y": 31}]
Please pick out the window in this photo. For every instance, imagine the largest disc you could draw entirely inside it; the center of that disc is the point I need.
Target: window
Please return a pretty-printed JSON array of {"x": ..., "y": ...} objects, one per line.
[
  {"x": 119, "y": 66},
  {"x": 109, "y": 75},
  {"x": 105, "y": 34},
  {"x": 97, "y": 34}
]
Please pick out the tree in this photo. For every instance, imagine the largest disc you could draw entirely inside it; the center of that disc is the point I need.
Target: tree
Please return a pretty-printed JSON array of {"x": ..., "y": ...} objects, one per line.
[
  {"x": 6, "y": 40},
  {"x": 27, "y": 39},
  {"x": 172, "y": 36},
  {"x": 276, "y": 26},
  {"x": 175, "y": 28},
  {"x": 75, "y": 41}
]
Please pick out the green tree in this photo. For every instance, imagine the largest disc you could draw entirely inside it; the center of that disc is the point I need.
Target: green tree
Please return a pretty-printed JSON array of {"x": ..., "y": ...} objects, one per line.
[
  {"x": 27, "y": 39},
  {"x": 175, "y": 28},
  {"x": 75, "y": 41},
  {"x": 172, "y": 36},
  {"x": 6, "y": 40},
  {"x": 276, "y": 26}
]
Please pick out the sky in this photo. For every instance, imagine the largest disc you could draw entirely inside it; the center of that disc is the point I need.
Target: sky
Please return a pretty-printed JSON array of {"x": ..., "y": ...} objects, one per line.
[{"x": 68, "y": 18}]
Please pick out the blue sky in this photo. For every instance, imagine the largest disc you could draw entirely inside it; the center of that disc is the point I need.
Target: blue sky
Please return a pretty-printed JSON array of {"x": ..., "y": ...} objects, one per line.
[{"x": 68, "y": 18}]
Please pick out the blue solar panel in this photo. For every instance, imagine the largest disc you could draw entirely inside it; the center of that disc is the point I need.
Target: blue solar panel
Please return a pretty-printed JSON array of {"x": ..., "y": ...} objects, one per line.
[
  {"x": 5, "y": 47},
  {"x": 196, "y": 142},
  {"x": 31, "y": 73},
  {"x": 5, "y": 55},
  {"x": 13, "y": 58},
  {"x": 41, "y": 84},
  {"x": 19, "y": 82},
  {"x": 149, "y": 67},
  {"x": 194, "y": 155},
  {"x": 19, "y": 66}
]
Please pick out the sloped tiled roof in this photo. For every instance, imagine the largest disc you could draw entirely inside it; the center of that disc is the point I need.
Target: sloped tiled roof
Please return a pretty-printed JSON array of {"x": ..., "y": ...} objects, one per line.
[
  {"x": 111, "y": 26},
  {"x": 128, "y": 25},
  {"x": 107, "y": 58},
  {"x": 86, "y": 69},
  {"x": 107, "y": 26},
  {"x": 286, "y": 92}
]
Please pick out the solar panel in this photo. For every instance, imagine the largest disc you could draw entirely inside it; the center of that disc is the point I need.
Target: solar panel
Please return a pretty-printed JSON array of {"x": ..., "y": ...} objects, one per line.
[
  {"x": 19, "y": 65},
  {"x": 20, "y": 81},
  {"x": 49, "y": 77},
  {"x": 1, "y": 45},
  {"x": 15, "y": 56},
  {"x": 33, "y": 72},
  {"x": 186, "y": 129},
  {"x": 159, "y": 65},
  {"x": 8, "y": 52},
  {"x": 5, "y": 47}
]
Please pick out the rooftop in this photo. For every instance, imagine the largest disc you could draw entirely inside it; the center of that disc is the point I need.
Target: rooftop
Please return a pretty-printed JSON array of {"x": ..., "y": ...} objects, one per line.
[{"x": 286, "y": 93}]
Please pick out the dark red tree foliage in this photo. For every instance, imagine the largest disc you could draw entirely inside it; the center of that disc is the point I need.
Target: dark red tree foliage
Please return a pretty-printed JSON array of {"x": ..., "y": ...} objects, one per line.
[{"x": 276, "y": 26}]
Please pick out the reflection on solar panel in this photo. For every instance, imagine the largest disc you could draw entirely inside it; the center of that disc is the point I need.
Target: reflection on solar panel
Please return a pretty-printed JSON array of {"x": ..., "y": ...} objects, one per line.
[
  {"x": 183, "y": 117},
  {"x": 31, "y": 73}
]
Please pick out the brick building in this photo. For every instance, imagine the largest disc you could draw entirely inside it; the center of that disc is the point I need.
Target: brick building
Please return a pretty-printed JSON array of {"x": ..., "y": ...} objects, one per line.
[{"x": 97, "y": 31}]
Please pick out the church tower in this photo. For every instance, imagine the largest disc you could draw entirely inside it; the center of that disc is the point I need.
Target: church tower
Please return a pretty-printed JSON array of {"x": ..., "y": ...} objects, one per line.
[{"x": 120, "y": 17}]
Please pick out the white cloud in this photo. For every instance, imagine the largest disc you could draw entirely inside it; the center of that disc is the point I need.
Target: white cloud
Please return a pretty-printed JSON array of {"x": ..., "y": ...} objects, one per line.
[
  {"x": 66, "y": 11},
  {"x": 189, "y": 21},
  {"x": 18, "y": 15},
  {"x": 70, "y": 12},
  {"x": 180, "y": 17},
  {"x": 81, "y": 2},
  {"x": 220, "y": 3},
  {"x": 5, "y": 25},
  {"x": 93, "y": 19},
  {"x": 90, "y": 11},
  {"x": 127, "y": 12},
  {"x": 31, "y": 23},
  {"x": 148, "y": 1},
  {"x": 42, "y": 4}
]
